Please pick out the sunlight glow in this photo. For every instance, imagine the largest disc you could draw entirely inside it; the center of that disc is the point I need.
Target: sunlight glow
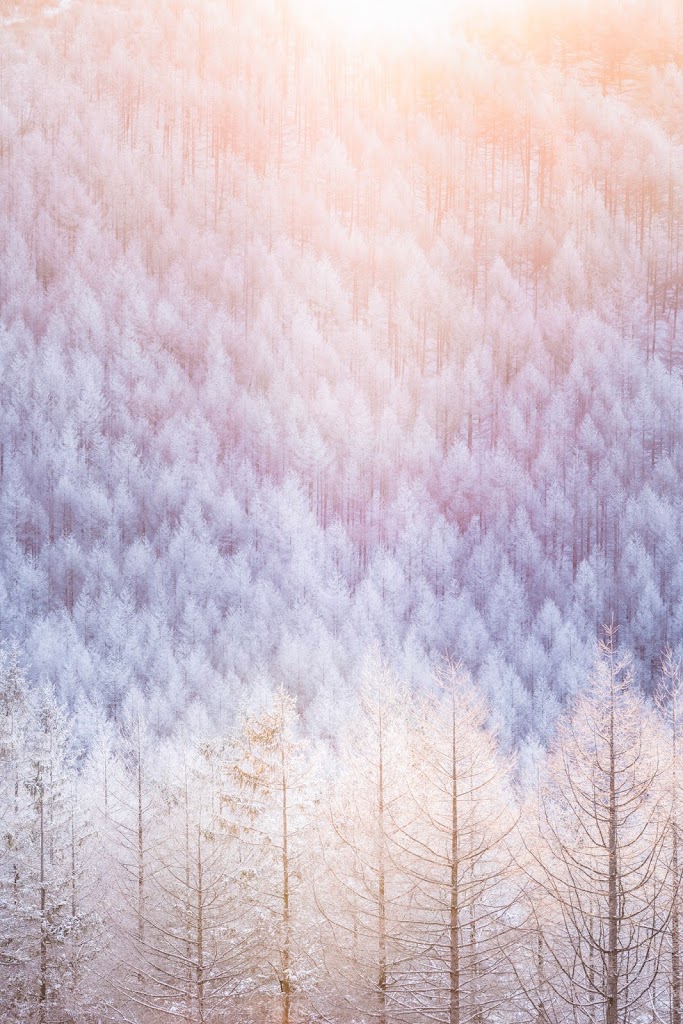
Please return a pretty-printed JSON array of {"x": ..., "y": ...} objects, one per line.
[
  {"x": 402, "y": 20},
  {"x": 387, "y": 18}
]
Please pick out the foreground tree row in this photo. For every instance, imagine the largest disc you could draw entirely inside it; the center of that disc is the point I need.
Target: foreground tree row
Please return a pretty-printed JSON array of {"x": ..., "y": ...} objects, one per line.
[{"x": 407, "y": 872}]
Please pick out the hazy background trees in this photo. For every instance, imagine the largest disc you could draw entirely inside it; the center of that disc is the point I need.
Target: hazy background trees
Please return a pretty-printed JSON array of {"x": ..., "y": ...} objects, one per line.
[{"x": 306, "y": 348}]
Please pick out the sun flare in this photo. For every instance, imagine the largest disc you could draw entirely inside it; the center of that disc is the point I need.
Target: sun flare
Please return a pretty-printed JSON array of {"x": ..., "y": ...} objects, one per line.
[
  {"x": 401, "y": 19},
  {"x": 387, "y": 18}
]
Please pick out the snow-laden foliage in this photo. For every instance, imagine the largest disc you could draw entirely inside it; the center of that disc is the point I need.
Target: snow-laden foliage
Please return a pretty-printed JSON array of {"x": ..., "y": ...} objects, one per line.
[
  {"x": 415, "y": 875},
  {"x": 306, "y": 347}
]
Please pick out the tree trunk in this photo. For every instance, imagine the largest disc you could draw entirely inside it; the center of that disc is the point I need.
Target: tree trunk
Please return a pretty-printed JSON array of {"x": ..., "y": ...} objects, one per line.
[
  {"x": 611, "y": 1016},
  {"x": 42, "y": 992},
  {"x": 675, "y": 921},
  {"x": 200, "y": 930},
  {"x": 381, "y": 893},
  {"x": 675, "y": 936},
  {"x": 141, "y": 855},
  {"x": 285, "y": 982},
  {"x": 454, "y": 926}
]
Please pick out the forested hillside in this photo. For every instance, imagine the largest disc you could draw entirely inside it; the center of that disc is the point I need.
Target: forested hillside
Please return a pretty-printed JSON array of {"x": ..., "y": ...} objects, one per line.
[
  {"x": 313, "y": 344},
  {"x": 341, "y": 512}
]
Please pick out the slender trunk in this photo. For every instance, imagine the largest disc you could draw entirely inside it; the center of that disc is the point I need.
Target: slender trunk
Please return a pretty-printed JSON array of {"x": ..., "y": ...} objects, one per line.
[
  {"x": 675, "y": 936},
  {"x": 141, "y": 857},
  {"x": 189, "y": 924},
  {"x": 540, "y": 967},
  {"x": 454, "y": 928},
  {"x": 73, "y": 859},
  {"x": 42, "y": 993},
  {"x": 592, "y": 999},
  {"x": 475, "y": 1007},
  {"x": 106, "y": 788},
  {"x": 675, "y": 920},
  {"x": 612, "y": 989},
  {"x": 74, "y": 889},
  {"x": 286, "y": 924},
  {"x": 381, "y": 894},
  {"x": 200, "y": 930},
  {"x": 15, "y": 866}
]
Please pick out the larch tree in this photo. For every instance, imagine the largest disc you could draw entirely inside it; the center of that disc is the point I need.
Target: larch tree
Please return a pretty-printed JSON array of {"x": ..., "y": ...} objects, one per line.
[
  {"x": 458, "y": 836},
  {"x": 199, "y": 944},
  {"x": 599, "y": 855},
  {"x": 50, "y": 926},
  {"x": 15, "y": 953},
  {"x": 361, "y": 888},
  {"x": 131, "y": 829},
  {"x": 267, "y": 796},
  {"x": 669, "y": 698}
]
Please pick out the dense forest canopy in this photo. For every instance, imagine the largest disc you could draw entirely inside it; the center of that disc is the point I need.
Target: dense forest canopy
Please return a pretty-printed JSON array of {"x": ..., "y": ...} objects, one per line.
[
  {"x": 341, "y": 407},
  {"x": 313, "y": 344}
]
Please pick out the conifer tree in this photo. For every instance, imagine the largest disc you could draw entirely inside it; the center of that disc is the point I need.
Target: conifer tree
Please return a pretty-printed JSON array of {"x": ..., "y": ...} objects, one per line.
[
  {"x": 361, "y": 887},
  {"x": 269, "y": 798},
  {"x": 669, "y": 699},
  {"x": 600, "y": 853},
  {"x": 50, "y": 925},
  {"x": 458, "y": 835},
  {"x": 197, "y": 953}
]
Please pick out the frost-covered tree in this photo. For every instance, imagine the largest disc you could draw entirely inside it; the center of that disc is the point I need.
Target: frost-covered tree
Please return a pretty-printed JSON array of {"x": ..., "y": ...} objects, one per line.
[
  {"x": 669, "y": 701},
  {"x": 48, "y": 906},
  {"x": 199, "y": 947},
  {"x": 268, "y": 801},
  {"x": 362, "y": 889},
  {"x": 599, "y": 855},
  {"x": 459, "y": 837}
]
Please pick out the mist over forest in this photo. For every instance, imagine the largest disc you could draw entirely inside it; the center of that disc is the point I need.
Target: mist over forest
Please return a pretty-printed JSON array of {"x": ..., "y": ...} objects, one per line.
[{"x": 341, "y": 410}]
